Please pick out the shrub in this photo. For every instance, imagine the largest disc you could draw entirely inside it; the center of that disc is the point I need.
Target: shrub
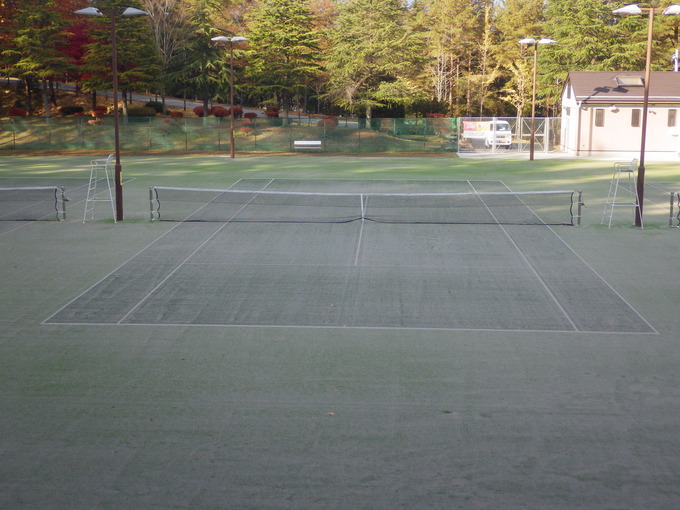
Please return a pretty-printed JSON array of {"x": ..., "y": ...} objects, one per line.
[
  {"x": 386, "y": 124},
  {"x": 328, "y": 123},
  {"x": 250, "y": 115},
  {"x": 220, "y": 112},
  {"x": 156, "y": 105},
  {"x": 99, "y": 111},
  {"x": 141, "y": 111},
  {"x": 70, "y": 110},
  {"x": 271, "y": 111},
  {"x": 238, "y": 112},
  {"x": 17, "y": 112},
  {"x": 198, "y": 111},
  {"x": 177, "y": 114}
]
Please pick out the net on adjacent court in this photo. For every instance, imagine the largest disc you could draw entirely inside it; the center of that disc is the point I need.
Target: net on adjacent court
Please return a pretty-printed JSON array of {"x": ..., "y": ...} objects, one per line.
[
  {"x": 32, "y": 203},
  {"x": 224, "y": 205},
  {"x": 674, "y": 215}
]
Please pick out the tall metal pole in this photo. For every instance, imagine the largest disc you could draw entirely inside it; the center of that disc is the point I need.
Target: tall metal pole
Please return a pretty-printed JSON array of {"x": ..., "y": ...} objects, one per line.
[
  {"x": 643, "y": 136},
  {"x": 532, "y": 138},
  {"x": 231, "y": 41},
  {"x": 634, "y": 9},
  {"x": 118, "y": 171},
  {"x": 530, "y": 41},
  {"x": 231, "y": 93}
]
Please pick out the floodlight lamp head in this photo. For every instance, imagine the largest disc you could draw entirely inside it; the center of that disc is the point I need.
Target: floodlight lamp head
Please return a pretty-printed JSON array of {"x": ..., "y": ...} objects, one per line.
[
  {"x": 89, "y": 11},
  {"x": 529, "y": 40},
  {"x": 131, "y": 11},
  {"x": 672, "y": 9},
  {"x": 628, "y": 9},
  {"x": 545, "y": 40},
  {"x": 224, "y": 38}
]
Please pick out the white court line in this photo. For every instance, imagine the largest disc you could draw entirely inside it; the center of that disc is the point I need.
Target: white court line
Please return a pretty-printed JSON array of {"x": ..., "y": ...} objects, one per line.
[
  {"x": 529, "y": 265},
  {"x": 185, "y": 261},
  {"x": 69, "y": 303},
  {"x": 595, "y": 273},
  {"x": 347, "y": 328}
]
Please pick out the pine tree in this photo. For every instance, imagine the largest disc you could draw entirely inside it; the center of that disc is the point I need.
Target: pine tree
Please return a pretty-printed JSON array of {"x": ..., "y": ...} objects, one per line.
[
  {"x": 451, "y": 27},
  {"x": 33, "y": 50},
  {"x": 374, "y": 57},
  {"x": 200, "y": 67},
  {"x": 519, "y": 19},
  {"x": 586, "y": 39},
  {"x": 284, "y": 56},
  {"x": 138, "y": 62}
]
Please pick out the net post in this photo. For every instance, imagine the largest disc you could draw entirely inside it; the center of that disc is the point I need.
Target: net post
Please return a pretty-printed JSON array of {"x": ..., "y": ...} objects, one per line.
[
  {"x": 150, "y": 203},
  {"x": 63, "y": 203},
  {"x": 580, "y": 205},
  {"x": 670, "y": 214}
]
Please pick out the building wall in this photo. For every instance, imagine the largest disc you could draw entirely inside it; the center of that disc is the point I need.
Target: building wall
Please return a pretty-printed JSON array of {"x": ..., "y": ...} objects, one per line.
[{"x": 616, "y": 134}]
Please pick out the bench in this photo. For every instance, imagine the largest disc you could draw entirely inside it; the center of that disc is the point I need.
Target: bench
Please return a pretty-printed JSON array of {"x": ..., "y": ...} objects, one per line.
[{"x": 308, "y": 145}]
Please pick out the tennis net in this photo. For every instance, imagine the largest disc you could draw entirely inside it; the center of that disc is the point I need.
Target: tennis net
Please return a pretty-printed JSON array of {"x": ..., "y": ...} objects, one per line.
[
  {"x": 33, "y": 203},
  {"x": 236, "y": 205}
]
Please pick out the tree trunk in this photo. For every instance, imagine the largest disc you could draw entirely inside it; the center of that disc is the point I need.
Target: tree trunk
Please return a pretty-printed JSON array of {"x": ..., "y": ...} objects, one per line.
[
  {"x": 29, "y": 103},
  {"x": 45, "y": 98},
  {"x": 53, "y": 93},
  {"x": 124, "y": 95}
]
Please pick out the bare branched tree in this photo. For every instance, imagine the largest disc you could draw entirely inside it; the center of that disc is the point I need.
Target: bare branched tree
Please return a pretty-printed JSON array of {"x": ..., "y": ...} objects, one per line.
[{"x": 169, "y": 20}]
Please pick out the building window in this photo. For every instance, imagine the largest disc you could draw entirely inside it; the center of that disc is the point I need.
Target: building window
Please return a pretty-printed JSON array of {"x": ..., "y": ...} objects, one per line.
[
  {"x": 635, "y": 118},
  {"x": 599, "y": 117},
  {"x": 671, "y": 118}
]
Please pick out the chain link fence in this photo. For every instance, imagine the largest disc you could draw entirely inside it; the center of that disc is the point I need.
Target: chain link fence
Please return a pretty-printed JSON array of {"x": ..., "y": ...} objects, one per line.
[{"x": 337, "y": 135}]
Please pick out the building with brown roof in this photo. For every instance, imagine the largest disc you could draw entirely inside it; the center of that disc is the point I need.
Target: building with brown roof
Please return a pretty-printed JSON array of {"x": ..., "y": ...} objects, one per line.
[{"x": 602, "y": 112}]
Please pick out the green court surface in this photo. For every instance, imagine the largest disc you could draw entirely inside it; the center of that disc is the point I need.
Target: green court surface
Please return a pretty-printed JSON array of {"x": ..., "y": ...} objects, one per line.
[{"x": 358, "y": 364}]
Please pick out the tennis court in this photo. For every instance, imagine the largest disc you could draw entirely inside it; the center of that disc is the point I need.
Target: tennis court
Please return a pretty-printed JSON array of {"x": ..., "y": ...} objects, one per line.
[
  {"x": 315, "y": 271},
  {"x": 339, "y": 333}
]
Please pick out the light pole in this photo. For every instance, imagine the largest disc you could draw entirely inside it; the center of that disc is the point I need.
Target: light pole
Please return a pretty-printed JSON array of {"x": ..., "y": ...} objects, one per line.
[
  {"x": 118, "y": 171},
  {"x": 533, "y": 42},
  {"x": 231, "y": 41},
  {"x": 635, "y": 9}
]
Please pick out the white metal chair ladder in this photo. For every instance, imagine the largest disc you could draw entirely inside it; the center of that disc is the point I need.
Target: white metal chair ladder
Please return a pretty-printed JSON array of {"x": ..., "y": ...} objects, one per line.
[
  {"x": 622, "y": 190},
  {"x": 100, "y": 170}
]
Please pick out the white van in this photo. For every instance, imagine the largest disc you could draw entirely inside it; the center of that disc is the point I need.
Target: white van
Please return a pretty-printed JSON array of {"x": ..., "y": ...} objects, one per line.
[{"x": 488, "y": 133}]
